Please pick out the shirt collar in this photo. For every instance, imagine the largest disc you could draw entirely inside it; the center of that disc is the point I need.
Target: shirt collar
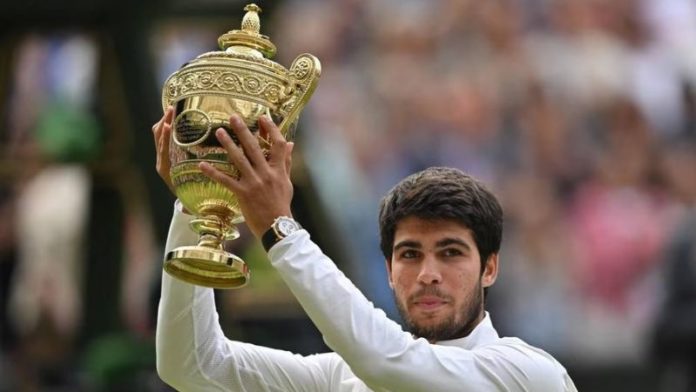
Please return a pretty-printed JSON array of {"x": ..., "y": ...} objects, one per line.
[{"x": 484, "y": 333}]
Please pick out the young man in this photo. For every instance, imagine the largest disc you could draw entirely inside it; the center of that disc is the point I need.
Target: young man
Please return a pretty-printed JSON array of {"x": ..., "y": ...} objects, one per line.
[{"x": 440, "y": 233}]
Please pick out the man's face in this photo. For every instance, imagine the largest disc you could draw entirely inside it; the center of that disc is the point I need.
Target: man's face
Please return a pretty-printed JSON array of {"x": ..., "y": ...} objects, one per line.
[{"x": 435, "y": 272}]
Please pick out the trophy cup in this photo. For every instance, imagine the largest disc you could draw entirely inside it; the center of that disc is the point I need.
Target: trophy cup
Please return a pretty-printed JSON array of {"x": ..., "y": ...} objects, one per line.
[{"x": 205, "y": 92}]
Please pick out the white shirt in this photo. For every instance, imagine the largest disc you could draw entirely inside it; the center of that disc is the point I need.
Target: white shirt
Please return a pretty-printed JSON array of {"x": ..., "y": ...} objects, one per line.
[{"x": 371, "y": 352}]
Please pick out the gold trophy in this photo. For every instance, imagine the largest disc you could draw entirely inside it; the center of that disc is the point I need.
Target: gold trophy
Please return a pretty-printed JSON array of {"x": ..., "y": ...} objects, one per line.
[{"x": 205, "y": 92}]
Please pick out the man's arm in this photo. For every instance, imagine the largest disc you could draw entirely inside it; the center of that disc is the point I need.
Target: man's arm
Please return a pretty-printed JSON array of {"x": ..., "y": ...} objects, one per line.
[
  {"x": 194, "y": 355},
  {"x": 192, "y": 351},
  {"x": 385, "y": 357}
]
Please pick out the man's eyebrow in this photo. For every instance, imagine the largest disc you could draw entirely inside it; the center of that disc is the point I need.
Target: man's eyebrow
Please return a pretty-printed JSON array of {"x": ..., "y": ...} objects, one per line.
[
  {"x": 452, "y": 241},
  {"x": 408, "y": 244}
]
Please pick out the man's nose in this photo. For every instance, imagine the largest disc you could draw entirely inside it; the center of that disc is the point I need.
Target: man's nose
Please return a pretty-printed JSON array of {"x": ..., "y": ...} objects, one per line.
[{"x": 429, "y": 272}]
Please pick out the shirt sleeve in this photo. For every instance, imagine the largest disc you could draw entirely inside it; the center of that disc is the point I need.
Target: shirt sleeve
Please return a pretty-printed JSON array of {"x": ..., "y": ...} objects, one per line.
[
  {"x": 387, "y": 358},
  {"x": 194, "y": 355}
]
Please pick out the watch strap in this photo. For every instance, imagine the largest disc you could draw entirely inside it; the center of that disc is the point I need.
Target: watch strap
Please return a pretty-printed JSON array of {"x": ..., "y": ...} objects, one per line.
[{"x": 269, "y": 238}]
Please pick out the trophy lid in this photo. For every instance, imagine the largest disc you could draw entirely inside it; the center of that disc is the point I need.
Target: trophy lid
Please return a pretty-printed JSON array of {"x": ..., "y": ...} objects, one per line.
[
  {"x": 249, "y": 37},
  {"x": 243, "y": 70}
]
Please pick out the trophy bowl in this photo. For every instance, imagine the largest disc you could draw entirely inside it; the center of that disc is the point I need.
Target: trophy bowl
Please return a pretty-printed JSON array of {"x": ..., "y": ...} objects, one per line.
[{"x": 205, "y": 92}]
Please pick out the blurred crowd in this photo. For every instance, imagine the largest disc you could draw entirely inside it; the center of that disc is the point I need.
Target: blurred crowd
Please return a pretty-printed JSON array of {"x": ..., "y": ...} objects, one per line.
[
  {"x": 77, "y": 252},
  {"x": 579, "y": 114}
]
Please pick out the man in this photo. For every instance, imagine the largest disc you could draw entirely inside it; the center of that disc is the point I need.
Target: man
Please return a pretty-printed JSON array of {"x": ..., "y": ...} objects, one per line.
[{"x": 440, "y": 232}]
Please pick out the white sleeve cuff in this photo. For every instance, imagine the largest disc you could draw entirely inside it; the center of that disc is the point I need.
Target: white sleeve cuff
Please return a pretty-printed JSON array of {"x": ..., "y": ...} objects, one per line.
[{"x": 279, "y": 247}]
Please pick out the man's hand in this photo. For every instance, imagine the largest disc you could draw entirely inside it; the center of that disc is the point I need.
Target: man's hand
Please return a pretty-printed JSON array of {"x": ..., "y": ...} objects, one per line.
[
  {"x": 264, "y": 189},
  {"x": 162, "y": 131}
]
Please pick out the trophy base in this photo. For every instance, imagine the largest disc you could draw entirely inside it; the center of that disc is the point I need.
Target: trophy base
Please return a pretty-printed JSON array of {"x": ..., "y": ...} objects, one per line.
[{"x": 207, "y": 267}]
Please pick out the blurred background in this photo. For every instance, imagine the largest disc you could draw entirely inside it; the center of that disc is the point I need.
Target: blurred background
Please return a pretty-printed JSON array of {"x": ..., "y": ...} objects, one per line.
[{"x": 579, "y": 114}]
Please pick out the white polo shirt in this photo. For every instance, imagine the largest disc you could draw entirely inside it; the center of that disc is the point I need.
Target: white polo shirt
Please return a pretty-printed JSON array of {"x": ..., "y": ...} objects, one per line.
[{"x": 371, "y": 352}]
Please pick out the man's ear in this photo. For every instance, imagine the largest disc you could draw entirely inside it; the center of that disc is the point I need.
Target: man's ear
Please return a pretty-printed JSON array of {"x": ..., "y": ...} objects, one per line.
[
  {"x": 389, "y": 273},
  {"x": 490, "y": 271}
]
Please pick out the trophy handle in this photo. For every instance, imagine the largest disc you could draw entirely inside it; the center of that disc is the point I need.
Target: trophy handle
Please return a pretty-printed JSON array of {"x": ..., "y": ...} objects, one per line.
[
  {"x": 168, "y": 92},
  {"x": 304, "y": 76}
]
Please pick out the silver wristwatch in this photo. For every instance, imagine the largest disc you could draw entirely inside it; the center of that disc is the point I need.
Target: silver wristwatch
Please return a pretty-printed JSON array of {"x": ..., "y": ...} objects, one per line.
[{"x": 282, "y": 227}]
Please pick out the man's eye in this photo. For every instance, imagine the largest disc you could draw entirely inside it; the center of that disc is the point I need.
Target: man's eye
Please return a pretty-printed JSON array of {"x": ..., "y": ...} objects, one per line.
[
  {"x": 409, "y": 254},
  {"x": 451, "y": 252}
]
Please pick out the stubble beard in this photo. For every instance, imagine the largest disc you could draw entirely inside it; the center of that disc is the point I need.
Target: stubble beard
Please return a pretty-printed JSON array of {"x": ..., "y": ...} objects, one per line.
[{"x": 458, "y": 325}]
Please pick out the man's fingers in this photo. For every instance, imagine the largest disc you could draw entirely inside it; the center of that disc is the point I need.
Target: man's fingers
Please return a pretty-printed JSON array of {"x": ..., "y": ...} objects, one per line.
[
  {"x": 248, "y": 141},
  {"x": 234, "y": 152},
  {"x": 271, "y": 129},
  {"x": 263, "y": 130},
  {"x": 169, "y": 115},
  {"x": 161, "y": 132},
  {"x": 156, "y": 133},
  {"x": 215, "y": 174},
  {"x": 165, "y": 140},
  {"x": 278, "y": 142},
  {"x": 288, "y": 156},
  {"x": 166, "y": 119},
  {"x": 156, "y": 126},
  {"x": 159, "y": 126}
]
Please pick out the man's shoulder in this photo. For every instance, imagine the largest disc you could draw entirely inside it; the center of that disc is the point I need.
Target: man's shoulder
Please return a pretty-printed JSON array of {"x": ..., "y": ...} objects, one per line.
[
  {"x": 517, "y": 348},
  {"x": 535, "y": 364},
  {"x": 519, "y": 344}
]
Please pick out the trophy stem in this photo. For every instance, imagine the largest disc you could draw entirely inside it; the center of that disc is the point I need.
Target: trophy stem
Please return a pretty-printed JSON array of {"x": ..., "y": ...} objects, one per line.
[
  {"x": 210, "y": 241},
  {"x": 208, "y": 264},
  {"x": 210, "y": 230},
  {"x": 213, "y": 230}
]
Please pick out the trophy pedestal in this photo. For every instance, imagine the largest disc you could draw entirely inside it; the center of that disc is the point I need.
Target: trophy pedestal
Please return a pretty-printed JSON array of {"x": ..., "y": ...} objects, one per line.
[{"x": 207, "y": 267}]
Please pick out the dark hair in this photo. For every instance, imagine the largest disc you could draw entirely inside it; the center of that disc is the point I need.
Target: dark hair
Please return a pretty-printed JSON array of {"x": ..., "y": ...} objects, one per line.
[{"x": 443, "y": 193}]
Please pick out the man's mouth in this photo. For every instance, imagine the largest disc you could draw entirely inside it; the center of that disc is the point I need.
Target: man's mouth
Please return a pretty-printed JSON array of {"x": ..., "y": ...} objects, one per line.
[{"x": 429, "y": 302}]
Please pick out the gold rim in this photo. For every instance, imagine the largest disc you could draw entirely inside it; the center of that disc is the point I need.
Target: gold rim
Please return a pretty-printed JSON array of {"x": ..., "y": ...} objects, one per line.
[{"x": 207, "y": 267}]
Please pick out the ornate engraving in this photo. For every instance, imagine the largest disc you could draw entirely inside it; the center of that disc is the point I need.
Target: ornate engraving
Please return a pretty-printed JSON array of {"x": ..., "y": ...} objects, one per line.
[
  {"x": 239, "y": 83},
  {"x": 188, "y": 172},
  {"x": 302, "y": 68},
  {"x": 227, "y": 81},
  {"x": 191, "y": 127}
]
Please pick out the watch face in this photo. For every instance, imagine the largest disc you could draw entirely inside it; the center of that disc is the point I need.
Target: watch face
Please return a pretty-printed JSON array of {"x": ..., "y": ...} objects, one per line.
[{"x": 286, "y": 226}]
